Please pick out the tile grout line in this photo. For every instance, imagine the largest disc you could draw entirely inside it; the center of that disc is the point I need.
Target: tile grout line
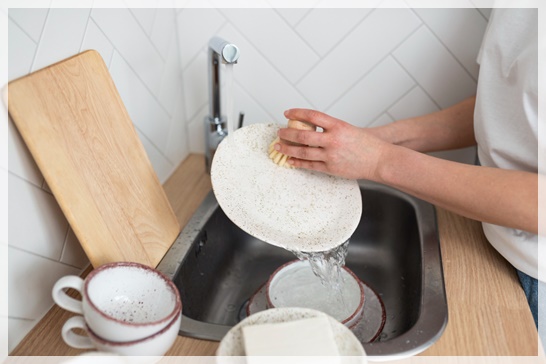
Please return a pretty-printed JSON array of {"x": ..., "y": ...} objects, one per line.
[
  {"x": 21, "y": 29},
  {"x": 478, "y": 10},
  {"x": 143, "y": 83},
  {"x": 309, "y": 10},
  {"x": 64, "y": 217},
  {"x": 256, "y": 101},
  {"x": 194, "y": 57},
  {"x": 29, "y": 182},
  {"x": 332, "y": 49},
  {"x": 414, "y": 80},
  {"x": 381, "y": 60},
  {"x": 43, "y": 257},
  {"x": 85, "y": 31},
  {"x": 445, "y": 46},
  {"x": 152, "y": 144},
  {"x": 148, "y": 36},
  {"x": 65, "y": 242},
  {"x": 404, "y": 94},
  {"x": 281, "y": 74},
  {"x": 387, "y": 109},
  {"x": 21, "y": 318},
  {"x": 390, "y": 115},
  {"x": 374, "y": 122},
  {"x": 134, "y": 72},
  {"x": 297, "y": 33},
  {"x": 182, "y": 91},
  {"x": 201, "y": 50},
  {"x": 40, "y": 41}
]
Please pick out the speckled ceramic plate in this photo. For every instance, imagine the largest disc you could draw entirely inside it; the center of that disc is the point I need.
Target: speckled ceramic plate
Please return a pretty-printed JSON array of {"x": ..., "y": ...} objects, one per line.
[
  {"x": 367, "y": 330},
  {"x": 347, "y": 344},
  {"x": 297, "y": 209}
]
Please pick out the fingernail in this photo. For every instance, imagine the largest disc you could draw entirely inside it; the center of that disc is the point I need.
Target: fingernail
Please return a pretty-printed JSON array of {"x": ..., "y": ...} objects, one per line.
[{"x": 277, "y": 147}]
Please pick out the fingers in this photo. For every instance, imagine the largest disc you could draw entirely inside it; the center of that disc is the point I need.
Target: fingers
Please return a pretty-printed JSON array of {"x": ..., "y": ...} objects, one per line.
[
  {"x": 301, "y": 152},
  {"x": 305, "y": 137},
  {"x": 313, "y": 165},
  {"x": 314, "y": 117}
]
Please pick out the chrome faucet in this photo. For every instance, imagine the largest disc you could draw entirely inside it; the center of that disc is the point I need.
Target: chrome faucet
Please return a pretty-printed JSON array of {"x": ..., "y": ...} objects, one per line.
[{"x": 220, "y": 51}]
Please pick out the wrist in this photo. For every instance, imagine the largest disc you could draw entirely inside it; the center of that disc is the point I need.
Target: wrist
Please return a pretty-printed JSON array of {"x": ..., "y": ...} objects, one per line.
[
  {"x": 400, "y": 132},
  {"x": 390, "y": 164}
]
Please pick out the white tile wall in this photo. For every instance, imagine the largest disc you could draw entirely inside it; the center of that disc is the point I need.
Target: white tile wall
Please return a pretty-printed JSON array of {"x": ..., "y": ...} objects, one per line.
[
  {"x": 30, "y": 20},
  {"x": 357, "y": 54},
  {"x": 140, "y": 47},
  {"x": 374, "y": 93},
  {"x": 458, "y": 30},
  {"x": 20, "y": 161},
  {"x": 21, "y": 57},
  {"x": 61, "y": 37},
  {"x": 434, "y": 68},
  {"x": 323, "y": 28},
  {"x": 368, "y": 66},
  {"x": 29, "y": 206},
  {"x": 277, "y": 41}
]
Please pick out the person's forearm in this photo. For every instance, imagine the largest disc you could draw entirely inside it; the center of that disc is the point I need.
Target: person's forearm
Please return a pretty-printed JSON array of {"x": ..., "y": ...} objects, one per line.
[
  {"x": 451, "y": 128},
  {"x": 498, "y": 196}
]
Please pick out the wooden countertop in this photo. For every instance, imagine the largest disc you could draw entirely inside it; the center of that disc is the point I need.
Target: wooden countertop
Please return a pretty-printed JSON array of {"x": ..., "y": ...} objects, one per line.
[{"x": 488, "y": 312}]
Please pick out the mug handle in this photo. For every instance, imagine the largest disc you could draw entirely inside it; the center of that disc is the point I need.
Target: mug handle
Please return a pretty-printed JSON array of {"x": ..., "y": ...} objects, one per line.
[
  {"x": 62, "y": 299},
  {"x": 73, "y": 339}
]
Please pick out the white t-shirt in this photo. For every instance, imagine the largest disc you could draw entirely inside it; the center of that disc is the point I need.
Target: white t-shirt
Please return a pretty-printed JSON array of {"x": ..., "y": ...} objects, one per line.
[{"x": 506, "y": 117}]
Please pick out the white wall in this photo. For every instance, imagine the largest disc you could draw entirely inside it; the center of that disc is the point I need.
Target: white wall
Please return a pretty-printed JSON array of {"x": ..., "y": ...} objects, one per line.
[{"x": 366, "y": 66}]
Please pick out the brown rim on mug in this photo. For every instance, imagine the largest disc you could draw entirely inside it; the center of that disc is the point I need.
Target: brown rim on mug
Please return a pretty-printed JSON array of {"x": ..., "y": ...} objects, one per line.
[{"x": 170, "y": 284}]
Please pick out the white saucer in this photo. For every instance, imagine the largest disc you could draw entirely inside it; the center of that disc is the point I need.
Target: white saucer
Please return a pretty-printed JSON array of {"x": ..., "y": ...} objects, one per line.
[
  {"x": 367, "y": 330},
  {"x": 296, "y": 209},
  {"x": 347, "y": 344}
]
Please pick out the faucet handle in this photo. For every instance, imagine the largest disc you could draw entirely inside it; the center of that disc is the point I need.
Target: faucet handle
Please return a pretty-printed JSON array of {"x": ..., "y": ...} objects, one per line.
[{"x": 230, "y": 53}]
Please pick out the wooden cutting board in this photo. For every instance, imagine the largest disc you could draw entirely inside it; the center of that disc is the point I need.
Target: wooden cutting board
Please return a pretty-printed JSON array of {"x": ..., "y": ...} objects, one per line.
[{"x": 74, "y": 123}]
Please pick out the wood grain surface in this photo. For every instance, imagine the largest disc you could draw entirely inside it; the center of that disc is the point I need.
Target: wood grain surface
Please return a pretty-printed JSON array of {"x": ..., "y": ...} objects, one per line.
[
  {"x": 488, "y": 312},
  {"x": 74, "y": 123}
]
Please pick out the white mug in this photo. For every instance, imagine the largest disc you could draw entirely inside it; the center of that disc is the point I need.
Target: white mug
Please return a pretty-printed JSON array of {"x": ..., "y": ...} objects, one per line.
[
  {"x": 156, "y": 345},
  {"x": 122, "y": 301}
]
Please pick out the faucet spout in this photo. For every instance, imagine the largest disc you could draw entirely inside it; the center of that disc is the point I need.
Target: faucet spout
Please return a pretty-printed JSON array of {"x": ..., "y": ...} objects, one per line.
[{"x": 219, "y": 52}]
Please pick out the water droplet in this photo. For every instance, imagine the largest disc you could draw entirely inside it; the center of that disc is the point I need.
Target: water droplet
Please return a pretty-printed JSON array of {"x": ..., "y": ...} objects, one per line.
[{"x": 231, "y": 307}]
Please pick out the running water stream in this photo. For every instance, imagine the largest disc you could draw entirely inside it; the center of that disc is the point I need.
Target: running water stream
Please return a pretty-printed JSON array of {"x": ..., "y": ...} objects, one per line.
[{"x": 327, "y": 267}]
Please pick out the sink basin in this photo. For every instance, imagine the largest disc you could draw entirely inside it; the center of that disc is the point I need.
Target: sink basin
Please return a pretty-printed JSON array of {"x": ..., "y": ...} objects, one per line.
[{"x": 395, "y": 250}]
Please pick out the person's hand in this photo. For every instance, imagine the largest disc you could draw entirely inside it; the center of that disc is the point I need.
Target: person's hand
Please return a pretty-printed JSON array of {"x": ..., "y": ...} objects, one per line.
[{"x": 341, "y": 149}]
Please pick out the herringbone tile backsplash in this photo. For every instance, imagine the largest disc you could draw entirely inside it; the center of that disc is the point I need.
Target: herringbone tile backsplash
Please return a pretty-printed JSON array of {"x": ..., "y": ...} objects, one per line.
[{"x": 365, "y": 66}]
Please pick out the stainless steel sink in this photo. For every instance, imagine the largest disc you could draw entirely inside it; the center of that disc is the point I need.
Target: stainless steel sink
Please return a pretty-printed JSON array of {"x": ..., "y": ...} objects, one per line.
[{"x": 395, "y": 250}]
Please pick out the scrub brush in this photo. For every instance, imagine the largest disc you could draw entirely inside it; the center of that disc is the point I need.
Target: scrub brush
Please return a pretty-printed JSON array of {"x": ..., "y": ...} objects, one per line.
[{"x": 279, "y": 158}]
